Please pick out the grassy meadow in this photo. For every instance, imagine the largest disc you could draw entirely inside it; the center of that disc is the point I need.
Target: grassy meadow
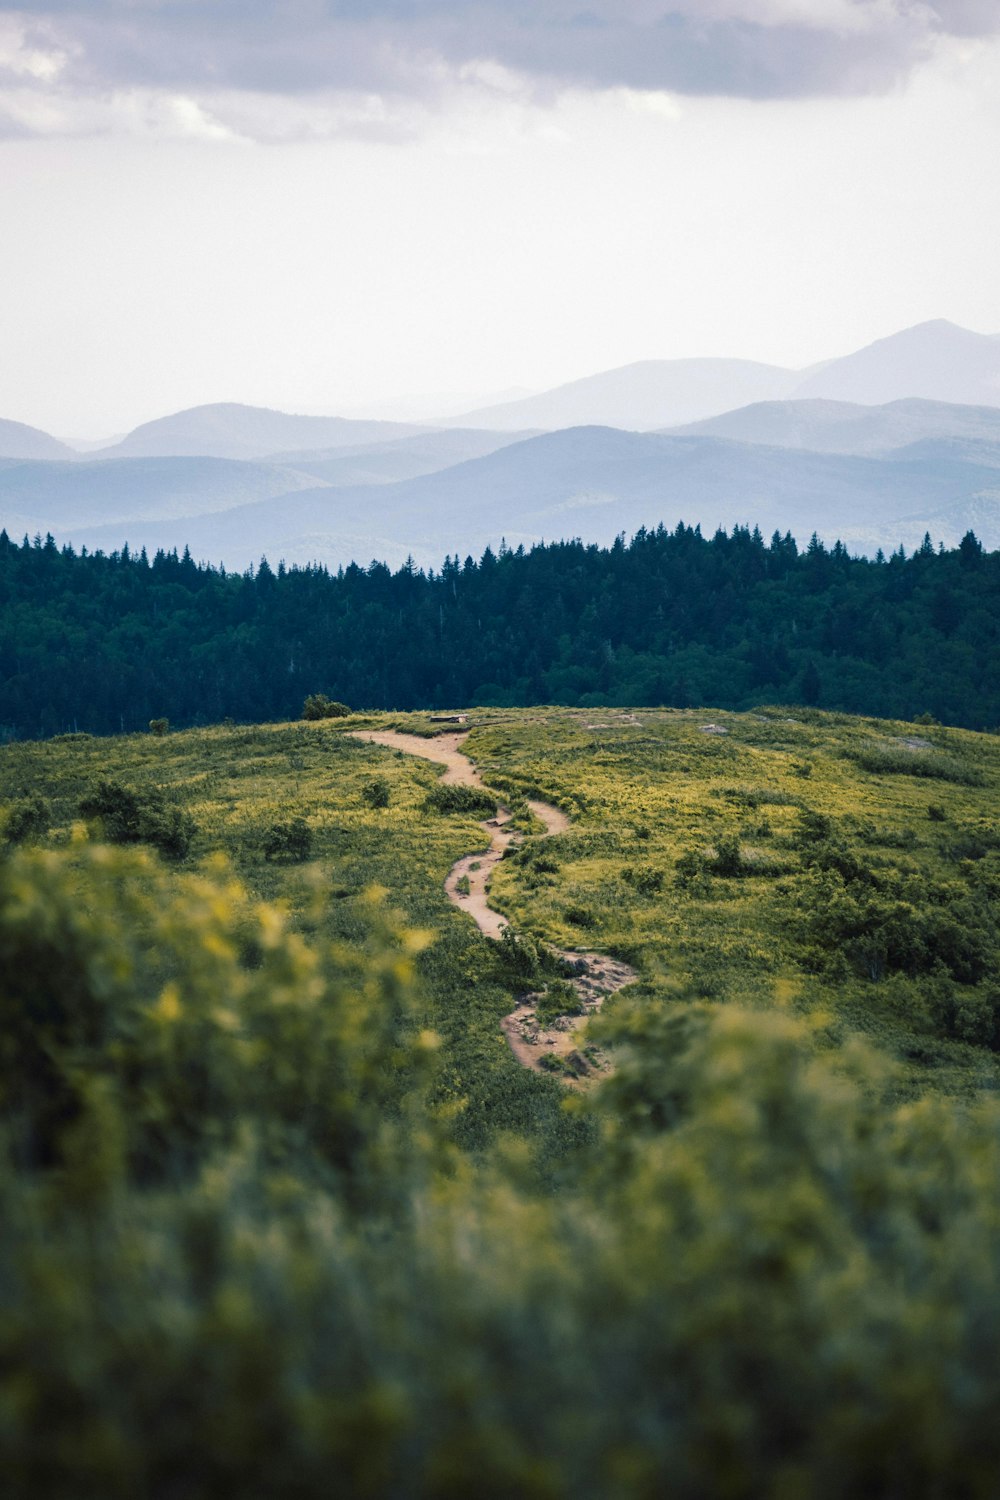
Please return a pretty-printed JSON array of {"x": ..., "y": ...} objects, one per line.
[{"x": 279, "y": 1210}]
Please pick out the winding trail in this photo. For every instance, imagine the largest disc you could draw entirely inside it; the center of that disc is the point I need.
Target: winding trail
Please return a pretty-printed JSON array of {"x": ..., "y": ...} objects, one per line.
[{"x": 596, "y": 975}]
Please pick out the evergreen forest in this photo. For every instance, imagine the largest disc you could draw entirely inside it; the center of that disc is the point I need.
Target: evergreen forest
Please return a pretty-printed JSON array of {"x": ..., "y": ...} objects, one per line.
[{"x": 102, "y": 644}]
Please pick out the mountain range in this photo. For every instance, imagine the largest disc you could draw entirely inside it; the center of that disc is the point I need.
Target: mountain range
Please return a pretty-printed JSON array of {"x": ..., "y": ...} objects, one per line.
[
  {"x": 937, "y": 361},
  {"x": 593, "y": 483},
  {"x": 235, "y": 482}
]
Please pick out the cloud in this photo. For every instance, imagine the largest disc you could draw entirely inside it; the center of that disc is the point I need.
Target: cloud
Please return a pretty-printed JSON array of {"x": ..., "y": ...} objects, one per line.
[{"x": 271, "y": 69}]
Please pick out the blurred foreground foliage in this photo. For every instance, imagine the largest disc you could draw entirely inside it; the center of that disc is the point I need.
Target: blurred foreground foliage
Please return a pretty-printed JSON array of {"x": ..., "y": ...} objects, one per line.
[{"x": 241, "y": 1255}]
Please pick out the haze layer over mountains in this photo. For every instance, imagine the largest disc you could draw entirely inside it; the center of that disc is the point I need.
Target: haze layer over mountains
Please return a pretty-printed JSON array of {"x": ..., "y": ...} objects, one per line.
[{"x": 876, "y": 448}]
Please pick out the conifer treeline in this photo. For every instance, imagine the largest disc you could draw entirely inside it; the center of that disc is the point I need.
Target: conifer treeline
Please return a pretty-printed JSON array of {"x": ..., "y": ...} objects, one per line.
[{"x": 104, "y": 643}]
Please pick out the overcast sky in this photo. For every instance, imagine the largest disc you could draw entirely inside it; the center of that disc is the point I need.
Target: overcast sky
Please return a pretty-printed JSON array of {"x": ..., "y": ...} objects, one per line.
[{"x": 323, "y": 204}]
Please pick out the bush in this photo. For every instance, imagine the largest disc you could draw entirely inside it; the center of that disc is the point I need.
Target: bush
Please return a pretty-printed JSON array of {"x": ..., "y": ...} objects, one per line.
[
  {"x": 814, "y": 827},
  {"x": 128, "y": 817},
  {"x": 931, "y": 764},
  {"x": 647, "y": 880},
  {"x": 159, "y": 727},
  {"x": 319, "y": 706},
  {"x": 28, "y": 819},
  {"x": 445, "y": 798},
  {"x": 376, "y": 793},
  {"x": 728, "y": 861},
  {"x": 144, "y": 1014},
  {"x": 287, "y": 840},
  {"x": 560, "y": 998}
]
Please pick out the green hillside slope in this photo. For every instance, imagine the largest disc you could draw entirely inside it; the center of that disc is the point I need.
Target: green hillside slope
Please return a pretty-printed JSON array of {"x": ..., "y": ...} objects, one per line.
[{"x": 277, "y": 1204}]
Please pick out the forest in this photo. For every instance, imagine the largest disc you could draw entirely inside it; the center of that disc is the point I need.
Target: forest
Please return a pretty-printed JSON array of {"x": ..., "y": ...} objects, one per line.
[{"x": 102, "y": 644}]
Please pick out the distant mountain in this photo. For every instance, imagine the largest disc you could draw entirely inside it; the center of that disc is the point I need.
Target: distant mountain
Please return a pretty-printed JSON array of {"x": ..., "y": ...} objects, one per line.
[
  {"x": 938, "y": 361},
  {"x": 228, "y": 430},
  {"x": 935, "y": 361},
  {"x": 848, "y": 427},
  {"x": 69, "y": 496},
  {"x": 593, "y": 483},
  {"x": 19, "y": 441},
  {"x": 639, "y": 397},
  {"x": 402, "y": 458}
]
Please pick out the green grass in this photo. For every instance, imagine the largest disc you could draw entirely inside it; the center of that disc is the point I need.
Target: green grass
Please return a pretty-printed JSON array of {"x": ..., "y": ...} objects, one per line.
[
  {"x": 686, "y": 857},
  {"x": 260, "y": 1226}
]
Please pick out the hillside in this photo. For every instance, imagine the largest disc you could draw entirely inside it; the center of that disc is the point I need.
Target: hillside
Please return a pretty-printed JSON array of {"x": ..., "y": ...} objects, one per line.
[{"x": 267, "y": 1113}]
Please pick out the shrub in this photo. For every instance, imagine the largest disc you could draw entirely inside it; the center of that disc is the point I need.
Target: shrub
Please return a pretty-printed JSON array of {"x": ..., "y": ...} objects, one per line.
[
  {"x": 128, "y": 817},
  {"x": 445, "y": 798},
  {"x": 28, "y": 819},
  {"x": 647, "y": 880},
  {"x": 728, "y": 861},
  {"x": 560, "y": 998},
  {"x": 376, "y": 793},
  {"x": 159, "y": 727},
  {"x": 888, "y": 761},
  {"x": 319, "y": 706},
  {"x": 144, "y": 1014},
  {"x": 813, "y": 827},
  {"x": 287, "y": 840}
]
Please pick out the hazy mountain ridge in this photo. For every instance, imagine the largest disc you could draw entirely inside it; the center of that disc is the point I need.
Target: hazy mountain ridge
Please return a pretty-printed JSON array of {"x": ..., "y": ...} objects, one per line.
[
  {"x": 41, "y": 496},
  {"x": 233, "y": 430},
  {"x": 19, "y": 441},
  {"x": 593, "y": 483},
  {"x": 935, "y": 361},
  {"x": 399, "y": 458},
  {"x": 824, "y": 426},
  {"x": 870, "y": 475}
]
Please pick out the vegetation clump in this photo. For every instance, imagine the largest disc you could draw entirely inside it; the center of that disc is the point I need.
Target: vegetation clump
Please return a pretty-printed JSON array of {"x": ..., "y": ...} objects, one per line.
[
  {"x": 445, "y": 798},
  {"x": 288, "y": 839},
  {"x": 885, "y": 760},
  {"x": 127, "y": 816},
  {"x": 319, "y": 706},
  {"x": 27, "y": 819},
  {"x": 376, "y": 793}
]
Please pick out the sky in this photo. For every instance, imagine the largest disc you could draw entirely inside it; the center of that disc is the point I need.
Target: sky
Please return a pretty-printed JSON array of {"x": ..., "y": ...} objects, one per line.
[{"x": 409, "y": 206}]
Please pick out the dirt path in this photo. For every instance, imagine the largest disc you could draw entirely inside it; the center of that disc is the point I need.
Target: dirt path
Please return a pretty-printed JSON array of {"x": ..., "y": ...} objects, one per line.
[{"x": 596, "y": 975}]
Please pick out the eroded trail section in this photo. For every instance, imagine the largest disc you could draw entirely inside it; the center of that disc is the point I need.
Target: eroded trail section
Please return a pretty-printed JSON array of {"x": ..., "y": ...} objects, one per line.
[{"x": 596, "y": 975}]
